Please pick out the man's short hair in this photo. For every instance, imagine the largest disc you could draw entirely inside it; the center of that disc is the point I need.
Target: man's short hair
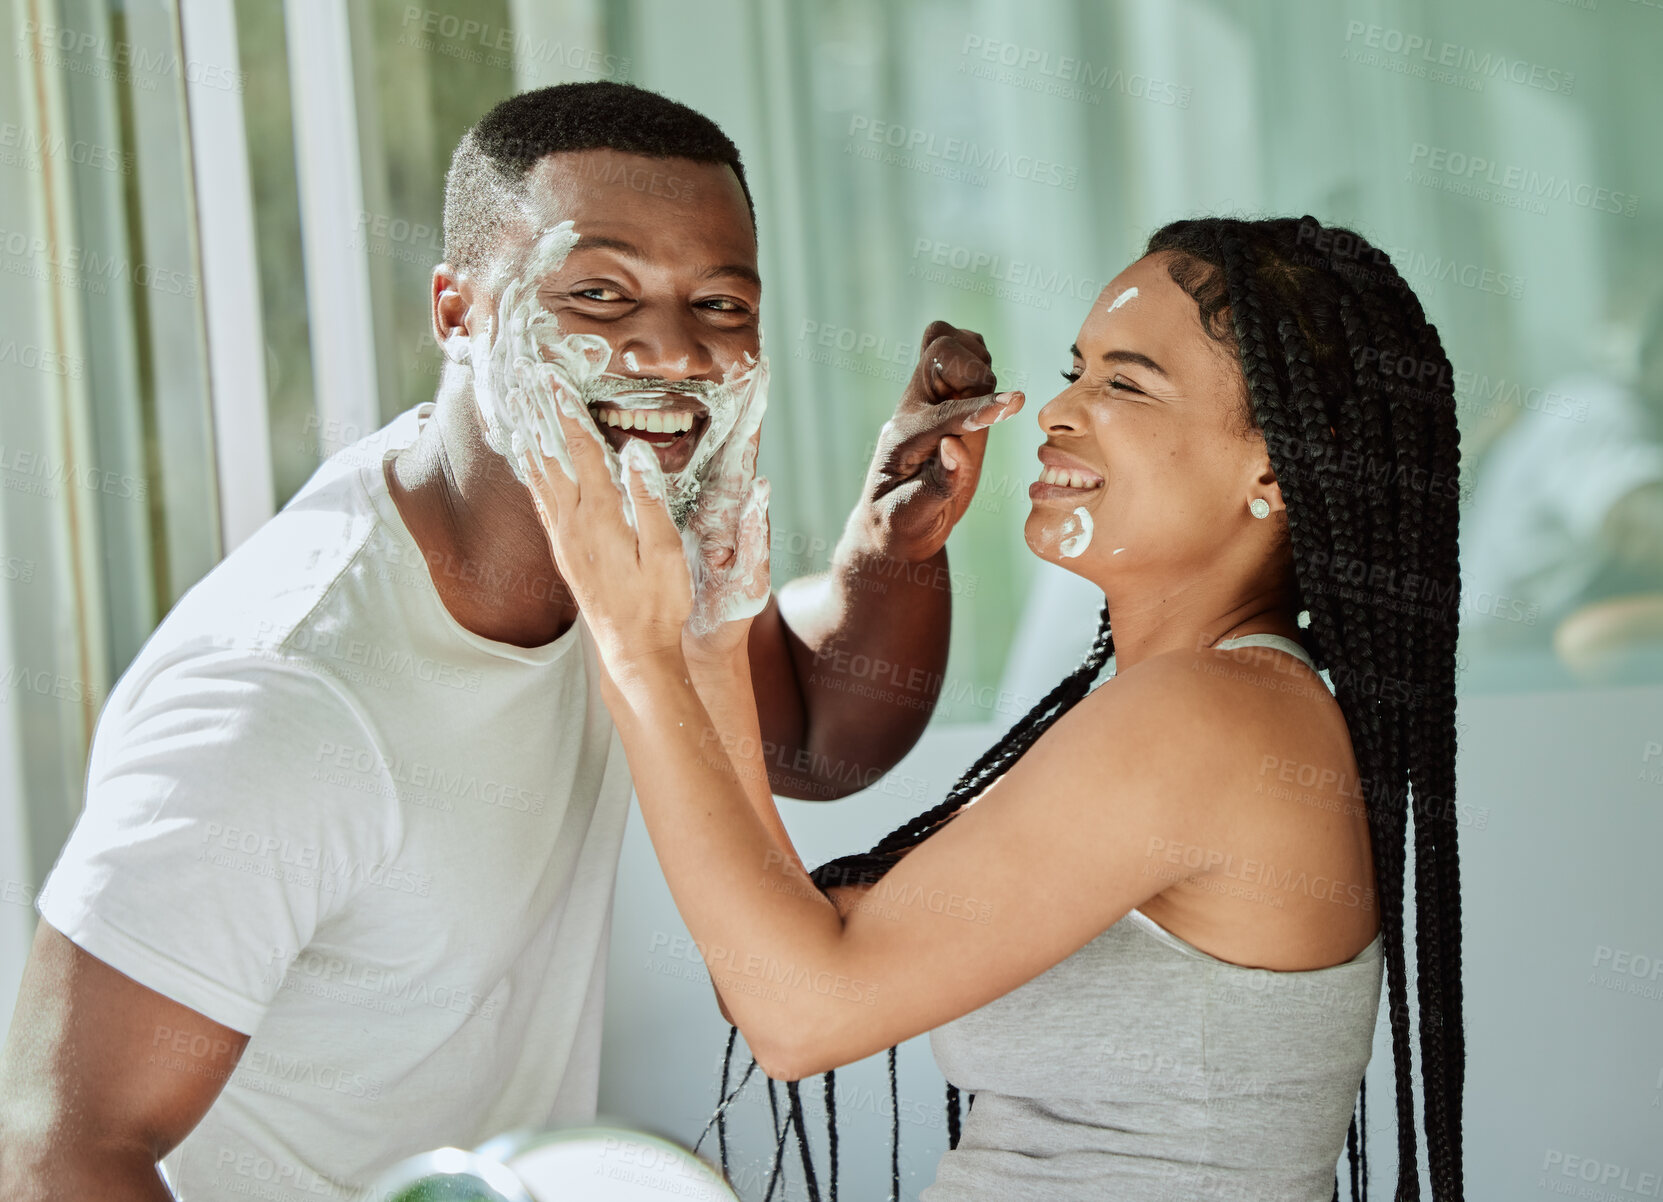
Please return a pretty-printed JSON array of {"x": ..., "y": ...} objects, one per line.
[{"x": 487, "y": 179}]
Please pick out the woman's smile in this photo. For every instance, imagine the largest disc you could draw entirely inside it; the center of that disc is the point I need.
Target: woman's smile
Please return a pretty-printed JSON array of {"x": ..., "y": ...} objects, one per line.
[{"x": 1063, "y": 478}]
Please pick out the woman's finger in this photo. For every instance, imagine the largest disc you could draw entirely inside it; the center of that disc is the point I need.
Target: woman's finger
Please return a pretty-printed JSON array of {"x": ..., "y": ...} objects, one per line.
[
  {"x": 655, "y": 531},
  {"x": 544, "y": 498},
  {"x": 747, "y": 459},
  {"x": 754, "y": 538},
  {"x": 588, "y": 455},
  {"x": 547, "y": 484},
  {"x": 537, "y": 482}
]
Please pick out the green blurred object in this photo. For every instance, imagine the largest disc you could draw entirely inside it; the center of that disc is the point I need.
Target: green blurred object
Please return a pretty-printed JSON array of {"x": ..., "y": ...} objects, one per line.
[
  {"x": 451, "y": 1175},
  {"x": 448, "y": 1187}
]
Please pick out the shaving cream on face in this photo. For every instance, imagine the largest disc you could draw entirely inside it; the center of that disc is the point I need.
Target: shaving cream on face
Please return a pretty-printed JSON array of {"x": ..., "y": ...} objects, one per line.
[
  {"x": 732, "y": 514},
  {"x": 523, "y": 367},
  {"x": 530, "y": 369},
  {"x": 1129, "y": 294},
  {"x": 1077, "y": 533},
  {"x": 525, "y": 371}
]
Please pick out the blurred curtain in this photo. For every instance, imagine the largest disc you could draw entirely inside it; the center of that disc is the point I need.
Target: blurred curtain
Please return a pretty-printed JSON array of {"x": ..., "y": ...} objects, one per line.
[{"x": 108, "y": 491}]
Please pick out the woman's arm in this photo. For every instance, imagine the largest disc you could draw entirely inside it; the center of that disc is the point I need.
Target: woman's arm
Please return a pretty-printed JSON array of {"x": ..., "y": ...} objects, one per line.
[
  {"x": 1052, "y": 853},
  {"x": 1046, "y": 859},
  {"x": 723, "y": 684}
]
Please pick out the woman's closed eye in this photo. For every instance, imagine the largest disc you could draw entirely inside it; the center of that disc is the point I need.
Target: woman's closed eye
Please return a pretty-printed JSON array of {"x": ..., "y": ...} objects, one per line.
[{"x": 1074, "y": 375}]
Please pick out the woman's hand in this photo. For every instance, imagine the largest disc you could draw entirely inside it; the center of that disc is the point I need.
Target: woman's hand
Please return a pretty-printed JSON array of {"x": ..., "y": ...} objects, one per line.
[
  {"x": 632, "y": 585},
  {"x": 727, "y": 537}
]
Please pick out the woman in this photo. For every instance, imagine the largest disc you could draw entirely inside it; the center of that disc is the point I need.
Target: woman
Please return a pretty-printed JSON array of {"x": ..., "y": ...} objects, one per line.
[{"x": 1193, "y": 875}]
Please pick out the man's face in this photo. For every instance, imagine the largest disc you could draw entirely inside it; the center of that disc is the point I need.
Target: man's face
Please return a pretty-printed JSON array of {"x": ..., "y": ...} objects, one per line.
[{"x": 663, "y": 268}]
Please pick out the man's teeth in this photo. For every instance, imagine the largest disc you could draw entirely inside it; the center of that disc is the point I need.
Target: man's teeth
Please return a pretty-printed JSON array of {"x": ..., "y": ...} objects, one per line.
[
  {"x": 1056, "y": 475},
  {"x": 654, "y": 421}
]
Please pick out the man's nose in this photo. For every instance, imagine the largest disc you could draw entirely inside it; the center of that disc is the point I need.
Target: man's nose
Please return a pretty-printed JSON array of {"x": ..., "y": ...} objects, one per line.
[{"x": 675, "y": 347}]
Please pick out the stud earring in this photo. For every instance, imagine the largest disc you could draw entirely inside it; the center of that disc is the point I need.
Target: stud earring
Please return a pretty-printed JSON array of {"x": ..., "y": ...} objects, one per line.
[{"x": 1259, "y": 507}]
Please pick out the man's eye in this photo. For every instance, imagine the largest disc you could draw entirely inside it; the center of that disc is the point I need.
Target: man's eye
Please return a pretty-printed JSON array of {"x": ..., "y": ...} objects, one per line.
[
  {"x": 599, "y": 294},
  {"x": 722, "y": 304}
]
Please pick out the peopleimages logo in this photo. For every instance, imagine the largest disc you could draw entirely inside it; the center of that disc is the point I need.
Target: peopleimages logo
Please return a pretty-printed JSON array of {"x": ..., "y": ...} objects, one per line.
[
  {"x": 909, "y": 146},
  {"x": 1476, "y": 170},
  {"x": 1037, "y": 70},
  {"x": 88, "y": 53},
  {"x": 78, "y": 267},
  {"x": 1452, "y": 55},
  {"x": 27, "y": 148},
  {"x": 1026, "y": 281}
]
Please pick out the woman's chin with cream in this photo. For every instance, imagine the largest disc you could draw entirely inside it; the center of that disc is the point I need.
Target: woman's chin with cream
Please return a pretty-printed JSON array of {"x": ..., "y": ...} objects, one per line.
[
  {"x": 1063, "y": 525},
  {"x": 1064, "y": 534}
]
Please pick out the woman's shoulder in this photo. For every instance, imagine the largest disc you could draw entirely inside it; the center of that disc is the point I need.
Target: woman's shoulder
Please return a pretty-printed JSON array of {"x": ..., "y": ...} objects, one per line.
[
  {"x": 1232, "y": 719},
  {"x": 1273, "y": 782},
  {"x": 1219, "y": 682}
]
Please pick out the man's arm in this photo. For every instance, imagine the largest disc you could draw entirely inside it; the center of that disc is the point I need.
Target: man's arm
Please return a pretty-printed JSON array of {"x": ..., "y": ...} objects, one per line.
[
  {"x": 99, "y": 1079},
  {"x": 847, "y": 664}
]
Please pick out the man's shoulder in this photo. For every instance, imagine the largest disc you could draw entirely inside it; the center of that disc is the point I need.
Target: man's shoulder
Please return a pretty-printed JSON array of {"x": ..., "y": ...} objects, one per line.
[
  {"x": 328, "y": 558},
  {"x": 263, "y": 591},
  {"x": 366, "y": 452}
]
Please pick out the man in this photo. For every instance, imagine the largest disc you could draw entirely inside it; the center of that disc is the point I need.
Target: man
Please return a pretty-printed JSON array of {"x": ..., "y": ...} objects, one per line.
[{"x": 341, "y": 889}]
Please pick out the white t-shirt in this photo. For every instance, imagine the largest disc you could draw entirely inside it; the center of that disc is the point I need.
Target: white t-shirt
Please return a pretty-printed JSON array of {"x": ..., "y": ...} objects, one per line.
[{"x": 322, "y": 812}]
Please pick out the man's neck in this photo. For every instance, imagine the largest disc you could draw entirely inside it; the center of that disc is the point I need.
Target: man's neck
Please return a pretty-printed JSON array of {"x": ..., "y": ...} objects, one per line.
[{"x": 478, "y": 531}]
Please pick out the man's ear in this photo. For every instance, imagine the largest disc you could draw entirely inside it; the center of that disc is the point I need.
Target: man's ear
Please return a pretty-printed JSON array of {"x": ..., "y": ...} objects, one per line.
[{"x": 452, "y": 304}]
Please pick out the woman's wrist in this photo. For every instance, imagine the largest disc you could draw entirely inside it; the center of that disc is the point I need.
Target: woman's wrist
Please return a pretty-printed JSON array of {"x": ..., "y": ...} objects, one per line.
[
  {"x": 635, "y": 677},
  {"x": 730, "y": 659}
]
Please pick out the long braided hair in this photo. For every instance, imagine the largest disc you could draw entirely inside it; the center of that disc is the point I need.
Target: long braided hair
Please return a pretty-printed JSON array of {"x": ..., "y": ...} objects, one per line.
[{"x": 1350, "y": 387}]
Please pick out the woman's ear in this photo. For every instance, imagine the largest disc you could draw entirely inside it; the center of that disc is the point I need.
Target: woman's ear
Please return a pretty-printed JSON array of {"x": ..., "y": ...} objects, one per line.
[{"x": 1269, "y": 489}]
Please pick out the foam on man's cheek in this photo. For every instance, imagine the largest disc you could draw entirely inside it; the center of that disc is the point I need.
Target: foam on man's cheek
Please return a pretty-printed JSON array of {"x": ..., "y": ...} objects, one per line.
[
  {"x": 523, "y": 352},
  {"x": 531, "y": 371}
]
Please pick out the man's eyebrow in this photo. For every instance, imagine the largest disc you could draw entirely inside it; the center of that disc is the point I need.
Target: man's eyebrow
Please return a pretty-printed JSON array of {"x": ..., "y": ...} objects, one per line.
[
  {"x": 1124, "y": 357},
  {"x": 738, "y": 270},
  {"x": 601, "y": 242}
]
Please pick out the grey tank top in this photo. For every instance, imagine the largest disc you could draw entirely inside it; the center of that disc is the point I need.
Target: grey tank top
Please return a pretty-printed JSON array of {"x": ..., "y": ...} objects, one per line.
[{"x": 1142, "y": 1068}]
